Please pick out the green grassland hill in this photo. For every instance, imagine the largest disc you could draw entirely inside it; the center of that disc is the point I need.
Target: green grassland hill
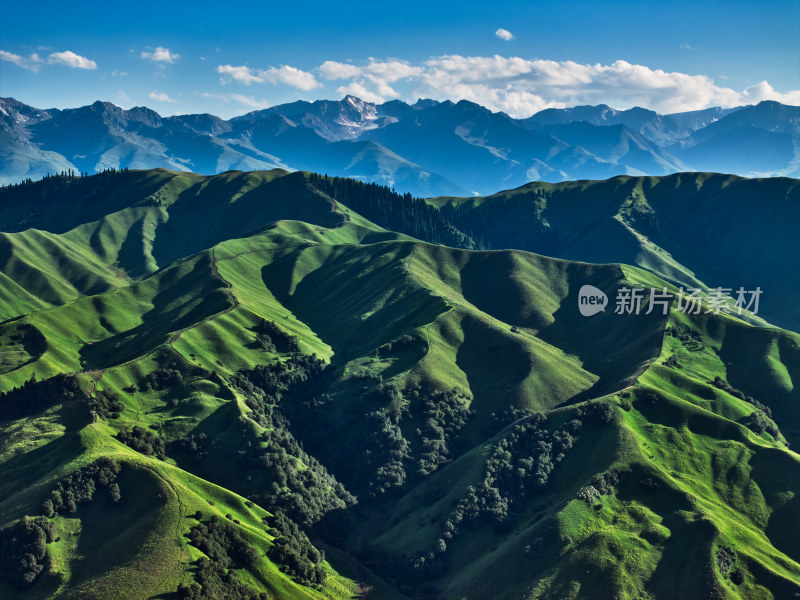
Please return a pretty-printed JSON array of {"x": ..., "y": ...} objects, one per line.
[{"x": 282, "y": 385}]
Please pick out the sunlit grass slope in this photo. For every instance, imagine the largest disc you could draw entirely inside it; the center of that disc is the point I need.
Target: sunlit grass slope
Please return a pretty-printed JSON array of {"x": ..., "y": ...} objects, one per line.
[
  {"x": 693, "y": 229},
  {"x": 173, "y": 277}
]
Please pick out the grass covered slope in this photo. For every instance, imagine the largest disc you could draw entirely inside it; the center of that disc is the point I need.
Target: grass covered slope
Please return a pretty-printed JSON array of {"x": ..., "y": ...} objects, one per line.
[
  {"x": 278, "y": 396},
  {"x": 693, "y": 229},
  {"x": 672, "y": 501},
  {"x": 118, "y": 227}
]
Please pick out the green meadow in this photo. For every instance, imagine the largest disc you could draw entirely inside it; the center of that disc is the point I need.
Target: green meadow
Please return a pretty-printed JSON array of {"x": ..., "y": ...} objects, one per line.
[{"x": 303, "y": 394}]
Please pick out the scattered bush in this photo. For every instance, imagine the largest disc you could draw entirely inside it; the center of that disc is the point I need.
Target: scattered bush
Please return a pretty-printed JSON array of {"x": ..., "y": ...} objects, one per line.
[
  {"x": 199, "y": 446},
  {"x": 726, "y": 558},
  {"x": 144, "y": 441},
  {"x": 392, "y": 347},
  {"x": 226, "y": 551},
  {"x": 520, "y": 464},
  {"x": 34, "y": 396},
  {"x": 107, "y": 404},
  {"x": 297, "y": 383},
  {"x": 444, "y": 414},
  {"x": 162, "y": 379},
  {"x": 504, "y": 417},
  {"x": 600, "y": 412},
  {"x": 295, "y": 553},
  {"x": 649, "y": 484},
  {"x": 589, "y": 494},
  {"x": 271, "y": 338},
  {"x": 79, "y": 487},
  {"x": 691, "y": 339},
  {"x": 759, "y": 423},
  {"x": 23, "y": 551}
]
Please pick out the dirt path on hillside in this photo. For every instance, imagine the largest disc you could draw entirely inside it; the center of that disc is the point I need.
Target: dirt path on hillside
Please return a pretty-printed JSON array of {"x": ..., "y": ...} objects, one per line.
[{"x": 100, "y": 373}]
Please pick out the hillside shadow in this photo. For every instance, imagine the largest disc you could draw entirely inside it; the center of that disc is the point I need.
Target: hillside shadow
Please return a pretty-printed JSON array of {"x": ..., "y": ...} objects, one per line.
[
  {"x": 32, "y": 341},
  {"x": 405, "y": 358},
  {"x": 617, "y": 348},
  {"x": 765, "y": 363},
  {"x": 495, "y": 365},
  {"x": 496, "y": 283},
  {"x": 21, "y": 471},
  {"x": 196, "y": 297},
  {"x": 778, "y": 477},
  {"x": 214, "y": 466},
  {"x": 132, "y": 257},
  {"x": 231, "y": 205},
  {"x": 113, "y": 534},
  {"x": 356, "y": 299},
  {"x": 687, "y": 549}
]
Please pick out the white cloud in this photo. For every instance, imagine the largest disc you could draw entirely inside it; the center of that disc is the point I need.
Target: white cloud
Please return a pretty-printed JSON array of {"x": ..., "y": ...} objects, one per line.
[
  {"x": 522, "y": 87},
  {"x": 292, "y": 76},
  {"x": 359, "y": 91},
  {"x": 248, "y": 101},
  {"x": 764, "y": 91},
  {"x": 70, "y": 59},
  {"x": 240, "y": 98},
  {"x": 504, "y": 34},
  {"x": 517, "y": 86},
  {"x": 118, "y": 73},
  {"x": 34, "y": 62},
  {"x": 297, "y": 78},
  {"x": 241, "y": 74},
  {"x": 124, "y": 100},
  {"x": 375, "y": 70},
  {"x": 161, "y": 54},
  {"x": 331, "y": 69},
  {"x": 160, "y": 96},
  {"x": 377, "y": 74}
]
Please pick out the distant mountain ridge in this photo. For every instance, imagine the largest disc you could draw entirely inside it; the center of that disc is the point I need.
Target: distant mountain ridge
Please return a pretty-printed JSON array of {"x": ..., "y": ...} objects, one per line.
[{"x": 429, "y": 148}]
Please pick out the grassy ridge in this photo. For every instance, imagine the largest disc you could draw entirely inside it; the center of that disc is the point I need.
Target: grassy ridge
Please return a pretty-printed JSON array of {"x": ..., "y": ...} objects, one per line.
[
  {"x": 692, "y": 497},
  {"x": 692, "y": 229}
]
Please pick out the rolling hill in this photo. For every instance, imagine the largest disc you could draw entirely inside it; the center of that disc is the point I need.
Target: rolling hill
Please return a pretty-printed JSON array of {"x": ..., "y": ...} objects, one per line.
[
  {"x": 692, "y": 229},
  {"x": 285, "y": 385}
]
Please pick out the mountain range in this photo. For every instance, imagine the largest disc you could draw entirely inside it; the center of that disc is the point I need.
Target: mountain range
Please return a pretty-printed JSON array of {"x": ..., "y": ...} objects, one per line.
[
  {"x": 286, "y": 385},
  {"x": 427, "y": 149}
]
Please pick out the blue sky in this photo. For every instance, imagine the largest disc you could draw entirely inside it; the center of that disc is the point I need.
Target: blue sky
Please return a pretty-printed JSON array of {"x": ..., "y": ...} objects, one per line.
[{"x": 231, "y": 57}]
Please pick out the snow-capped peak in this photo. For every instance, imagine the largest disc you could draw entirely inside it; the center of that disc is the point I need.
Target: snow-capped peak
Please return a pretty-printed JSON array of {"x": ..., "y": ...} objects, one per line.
[{"x": 366, "y": 110}]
